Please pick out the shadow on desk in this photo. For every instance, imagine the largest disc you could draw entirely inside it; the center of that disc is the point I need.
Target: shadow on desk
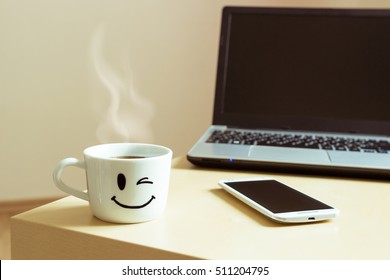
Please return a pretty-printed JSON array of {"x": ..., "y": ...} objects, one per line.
[{"x": 59, "y": 216}]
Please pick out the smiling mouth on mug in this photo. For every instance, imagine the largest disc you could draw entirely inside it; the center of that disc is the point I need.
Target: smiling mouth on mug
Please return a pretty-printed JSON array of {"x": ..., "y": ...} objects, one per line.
[{"x": 130, "y": 206}]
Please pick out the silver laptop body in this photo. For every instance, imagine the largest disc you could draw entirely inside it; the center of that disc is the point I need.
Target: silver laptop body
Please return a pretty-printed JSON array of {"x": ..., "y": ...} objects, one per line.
[{"x": 304, "y": 90}]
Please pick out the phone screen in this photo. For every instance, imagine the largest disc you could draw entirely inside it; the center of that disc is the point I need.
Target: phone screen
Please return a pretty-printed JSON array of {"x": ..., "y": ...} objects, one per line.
[{"x": 277, "y": 197}]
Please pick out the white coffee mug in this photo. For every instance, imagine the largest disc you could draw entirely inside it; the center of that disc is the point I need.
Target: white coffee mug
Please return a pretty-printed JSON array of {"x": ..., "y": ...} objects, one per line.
[{"x": 126, "y": 182}]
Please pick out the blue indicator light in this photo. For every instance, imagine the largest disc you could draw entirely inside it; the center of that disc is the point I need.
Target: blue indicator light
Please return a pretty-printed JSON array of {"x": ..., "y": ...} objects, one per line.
[{"x": 230, "y": 160}]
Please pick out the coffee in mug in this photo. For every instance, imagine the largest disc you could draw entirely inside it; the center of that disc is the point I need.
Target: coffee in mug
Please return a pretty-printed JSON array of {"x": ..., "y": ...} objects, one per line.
[{"x": 128, "y": 157}]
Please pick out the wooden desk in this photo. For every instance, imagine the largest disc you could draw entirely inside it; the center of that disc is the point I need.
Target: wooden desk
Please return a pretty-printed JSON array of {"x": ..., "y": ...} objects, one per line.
[{"x": 202, "y": 221}]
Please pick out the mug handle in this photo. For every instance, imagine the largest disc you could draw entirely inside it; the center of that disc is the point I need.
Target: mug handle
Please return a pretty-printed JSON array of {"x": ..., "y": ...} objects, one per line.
[{"x": 58, "y": 180}]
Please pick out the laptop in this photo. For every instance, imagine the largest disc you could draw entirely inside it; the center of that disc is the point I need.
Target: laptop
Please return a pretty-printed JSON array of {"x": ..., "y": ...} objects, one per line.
[{"x": 301, "y": 90}]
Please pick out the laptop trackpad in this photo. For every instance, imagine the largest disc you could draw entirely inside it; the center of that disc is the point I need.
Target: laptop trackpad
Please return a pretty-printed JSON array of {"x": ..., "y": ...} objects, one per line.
[
  {"x": 360, "y": 159},
  {"x": 294, "y": 155}
]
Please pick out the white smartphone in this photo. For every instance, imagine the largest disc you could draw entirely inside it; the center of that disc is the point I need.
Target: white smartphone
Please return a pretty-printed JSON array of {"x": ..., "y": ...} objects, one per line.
[{"x": 278, "y": 201}]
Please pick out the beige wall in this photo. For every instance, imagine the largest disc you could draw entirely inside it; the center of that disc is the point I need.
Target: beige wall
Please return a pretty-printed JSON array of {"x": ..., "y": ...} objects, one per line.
[{"x": 52, "y": 99}]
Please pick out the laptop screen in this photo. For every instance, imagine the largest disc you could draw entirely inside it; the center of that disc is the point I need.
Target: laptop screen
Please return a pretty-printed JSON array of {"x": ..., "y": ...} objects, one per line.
[{"x": 304, "y": 69}]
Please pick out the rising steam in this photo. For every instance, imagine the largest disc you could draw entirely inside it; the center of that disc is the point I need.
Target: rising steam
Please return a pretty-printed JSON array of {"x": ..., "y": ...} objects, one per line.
[{"x": 127, "y": 116}]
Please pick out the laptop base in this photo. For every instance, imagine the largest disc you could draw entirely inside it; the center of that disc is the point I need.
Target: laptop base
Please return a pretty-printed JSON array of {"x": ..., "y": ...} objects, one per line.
[{"x": 320, "y": 170}]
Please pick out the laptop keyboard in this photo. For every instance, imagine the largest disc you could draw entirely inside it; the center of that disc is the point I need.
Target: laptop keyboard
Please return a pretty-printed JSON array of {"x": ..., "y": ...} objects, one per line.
[{"x": 299, "y": 141}]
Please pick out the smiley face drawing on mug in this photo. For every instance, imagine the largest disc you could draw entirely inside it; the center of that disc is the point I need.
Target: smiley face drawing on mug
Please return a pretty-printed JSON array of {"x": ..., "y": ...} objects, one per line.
[{"x": 121, "y": 182}]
